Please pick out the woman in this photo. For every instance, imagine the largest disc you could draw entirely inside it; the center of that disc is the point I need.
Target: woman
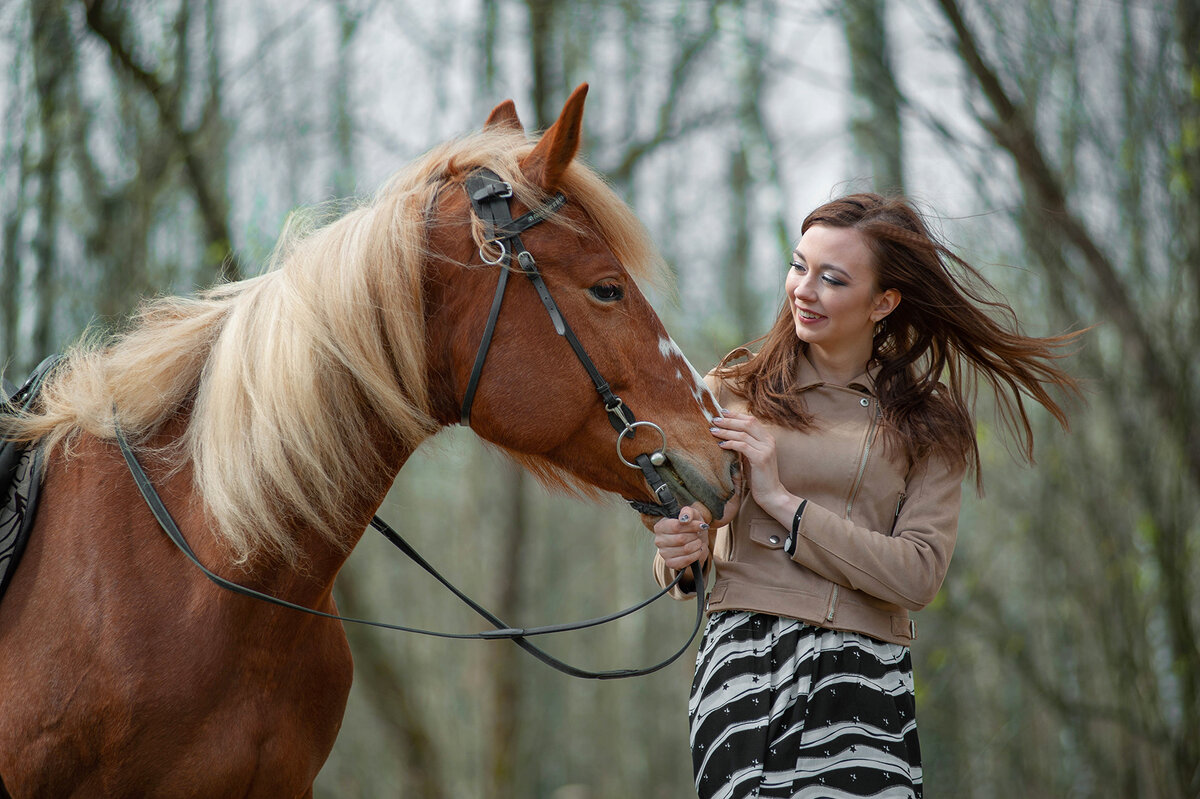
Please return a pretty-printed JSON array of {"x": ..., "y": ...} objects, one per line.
[{"x": 854, "y": 425}]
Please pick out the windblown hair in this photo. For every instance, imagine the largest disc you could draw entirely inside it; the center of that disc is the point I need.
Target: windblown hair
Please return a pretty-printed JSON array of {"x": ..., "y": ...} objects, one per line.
[
  {"x": 282, "y": 378},
  {"x": 950, "y": 329}
]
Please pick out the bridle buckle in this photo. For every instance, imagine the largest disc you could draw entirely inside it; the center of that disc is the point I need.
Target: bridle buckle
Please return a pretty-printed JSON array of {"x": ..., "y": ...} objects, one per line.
[
  {"x": 494, "y": 189},
  {"x": 617, "y": 409}
]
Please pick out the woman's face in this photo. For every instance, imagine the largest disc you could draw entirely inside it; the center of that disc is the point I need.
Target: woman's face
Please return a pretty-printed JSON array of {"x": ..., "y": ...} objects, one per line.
[{"x": 835, "y": 300}]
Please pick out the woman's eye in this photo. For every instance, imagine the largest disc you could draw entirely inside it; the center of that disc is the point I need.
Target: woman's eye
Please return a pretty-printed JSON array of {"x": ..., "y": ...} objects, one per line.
[
  {"x": 799, "y": 267},
  {"x": 831, "y": 280},
  {"x": 607, "y": 292}
]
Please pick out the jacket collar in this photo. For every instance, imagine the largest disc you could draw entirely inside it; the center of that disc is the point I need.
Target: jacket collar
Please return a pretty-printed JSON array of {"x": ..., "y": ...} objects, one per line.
[{"x": 807, "y": 377}]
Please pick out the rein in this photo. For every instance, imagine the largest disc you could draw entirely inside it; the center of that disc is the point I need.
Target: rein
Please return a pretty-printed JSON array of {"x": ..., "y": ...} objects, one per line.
[
  {"x": 489, "y": 198},
  {"x": 503, "y": 631}
]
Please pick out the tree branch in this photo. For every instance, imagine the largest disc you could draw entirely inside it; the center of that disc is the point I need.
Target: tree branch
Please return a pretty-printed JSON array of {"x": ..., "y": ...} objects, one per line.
[
  {"x": 212, "y": 206},
  {"x": 1013, "y": 132},
  {"x": 666, "y": 128},
  {"x": 987, "y": 617}
]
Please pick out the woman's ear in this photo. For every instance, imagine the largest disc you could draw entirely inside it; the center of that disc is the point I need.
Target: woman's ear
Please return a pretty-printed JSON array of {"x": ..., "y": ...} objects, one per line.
[{"x": 885, "y": 303}]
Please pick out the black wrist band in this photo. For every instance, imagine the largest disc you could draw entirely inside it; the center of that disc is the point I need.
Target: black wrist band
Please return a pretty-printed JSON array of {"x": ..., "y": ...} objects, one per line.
[{"x": 789, "y": 546}]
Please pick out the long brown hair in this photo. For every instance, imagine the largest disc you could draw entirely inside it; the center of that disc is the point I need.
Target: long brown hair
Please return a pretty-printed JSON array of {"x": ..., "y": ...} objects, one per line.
[{"x": 950, "y": 328}]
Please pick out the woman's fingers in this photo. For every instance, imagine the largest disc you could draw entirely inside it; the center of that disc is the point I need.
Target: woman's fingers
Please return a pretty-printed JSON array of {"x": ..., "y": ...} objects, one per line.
[
  {"x": 742, "y": 433},
  {"x": 684, "y": 540},
  {"x": 738, "y": 423},
  {"x": 745, "y": 428},
  {"x": 679, "y": 558}
]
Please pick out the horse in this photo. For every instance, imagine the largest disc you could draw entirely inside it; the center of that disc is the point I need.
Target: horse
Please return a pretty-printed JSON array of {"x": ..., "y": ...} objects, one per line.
[{"x": 272, "y": 414}]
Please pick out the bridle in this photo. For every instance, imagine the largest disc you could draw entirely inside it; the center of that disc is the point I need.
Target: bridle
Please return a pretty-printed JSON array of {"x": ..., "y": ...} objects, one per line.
[{"x": 489, "y": 199}]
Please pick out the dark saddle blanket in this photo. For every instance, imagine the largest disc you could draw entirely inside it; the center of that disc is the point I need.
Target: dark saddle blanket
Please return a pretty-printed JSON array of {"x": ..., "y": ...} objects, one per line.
[
  {"x": 20, "y": 477},
  {"x": 17, "y": 514}
]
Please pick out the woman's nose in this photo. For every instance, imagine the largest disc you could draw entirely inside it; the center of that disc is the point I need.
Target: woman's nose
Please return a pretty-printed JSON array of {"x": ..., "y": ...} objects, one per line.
[{"x": 805, "y": 288}]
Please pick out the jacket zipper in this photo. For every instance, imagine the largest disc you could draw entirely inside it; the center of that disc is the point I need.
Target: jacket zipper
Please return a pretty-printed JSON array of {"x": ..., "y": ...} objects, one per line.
[{"x": 862, "y": 467}]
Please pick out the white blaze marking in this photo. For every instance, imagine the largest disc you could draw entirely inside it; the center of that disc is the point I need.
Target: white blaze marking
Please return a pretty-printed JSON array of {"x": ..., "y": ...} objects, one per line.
[{"x": 668, "y": 348}]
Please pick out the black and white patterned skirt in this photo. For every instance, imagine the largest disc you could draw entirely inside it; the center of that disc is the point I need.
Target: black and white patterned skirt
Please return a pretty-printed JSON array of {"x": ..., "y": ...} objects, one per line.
[{"x": 780, "y": 708}]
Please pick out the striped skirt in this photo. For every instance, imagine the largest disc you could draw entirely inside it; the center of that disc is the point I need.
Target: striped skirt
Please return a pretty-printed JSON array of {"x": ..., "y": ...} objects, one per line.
[{"x": 780, "y": 708}]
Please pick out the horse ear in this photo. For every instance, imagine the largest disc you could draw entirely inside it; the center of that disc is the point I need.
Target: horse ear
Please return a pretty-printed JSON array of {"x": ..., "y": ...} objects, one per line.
[
  {"x": 504, "y": 116},
  {"x": 549, "y": 160}
]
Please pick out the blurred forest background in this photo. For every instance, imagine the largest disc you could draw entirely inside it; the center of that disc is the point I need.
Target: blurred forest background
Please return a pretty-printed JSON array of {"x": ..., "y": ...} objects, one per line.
[{"x": 157, "y": 146}]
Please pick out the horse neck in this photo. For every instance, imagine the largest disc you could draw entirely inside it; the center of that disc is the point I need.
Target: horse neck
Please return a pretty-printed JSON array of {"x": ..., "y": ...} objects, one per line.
[
  {"x": 323, "y": 560},
  {"x": 310, "y": 582},
  {"x": 452, "y": 295}
]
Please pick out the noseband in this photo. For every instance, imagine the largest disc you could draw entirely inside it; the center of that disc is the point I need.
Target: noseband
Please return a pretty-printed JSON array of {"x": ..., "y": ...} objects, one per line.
[{"x": 489, "y": 198}]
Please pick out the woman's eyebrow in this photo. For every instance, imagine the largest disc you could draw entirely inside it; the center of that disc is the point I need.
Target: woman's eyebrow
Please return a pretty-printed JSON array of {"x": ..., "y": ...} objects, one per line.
[{"x": 798, "y": 256}]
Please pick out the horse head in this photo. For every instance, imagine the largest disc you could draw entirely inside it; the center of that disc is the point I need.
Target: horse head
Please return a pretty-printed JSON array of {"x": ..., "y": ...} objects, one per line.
[{"x": 535, "y": 397}]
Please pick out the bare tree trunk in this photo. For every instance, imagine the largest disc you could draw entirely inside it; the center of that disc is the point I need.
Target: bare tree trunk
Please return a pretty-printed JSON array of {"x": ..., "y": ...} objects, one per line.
[
  {"x": 50, "y": 38},
  {"x": 1187, "y": 29},
  {"x": 10, "y": 268},
  {"x": 875, "y": 133},
  {"x": 343, "y": 120},
  {"x": 542, "y": 49},
  {"x": 491, "y": 22},
  {"x": 392, "y": 698},
  {"x": 507, "y": 694},
  {"x": 205, "y": 176},
  {"x": 735, "y": 266}
]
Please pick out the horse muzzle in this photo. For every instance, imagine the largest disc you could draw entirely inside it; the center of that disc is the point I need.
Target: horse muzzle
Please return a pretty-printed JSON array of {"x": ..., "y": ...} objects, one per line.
[{"x": 691, "y": 486}]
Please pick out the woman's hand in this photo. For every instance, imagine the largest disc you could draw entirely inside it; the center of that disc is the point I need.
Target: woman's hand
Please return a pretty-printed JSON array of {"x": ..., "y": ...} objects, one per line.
[
  {"x": 682, "y": 541},
  {"x": 747, "y": 436}
]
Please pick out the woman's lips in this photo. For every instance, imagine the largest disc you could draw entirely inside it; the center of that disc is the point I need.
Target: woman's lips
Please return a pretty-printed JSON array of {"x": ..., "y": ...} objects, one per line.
[{"x": 808, "y": 317}]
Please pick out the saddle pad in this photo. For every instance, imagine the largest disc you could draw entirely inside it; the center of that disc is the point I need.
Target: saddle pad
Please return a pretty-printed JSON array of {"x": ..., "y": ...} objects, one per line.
[
  {"x": 20, "y": 476},
  {"x": 17, "y": 514}
]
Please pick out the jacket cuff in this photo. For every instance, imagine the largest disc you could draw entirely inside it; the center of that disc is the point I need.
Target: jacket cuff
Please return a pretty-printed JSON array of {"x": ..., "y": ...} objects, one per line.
[{"x": 789, "y": 546}]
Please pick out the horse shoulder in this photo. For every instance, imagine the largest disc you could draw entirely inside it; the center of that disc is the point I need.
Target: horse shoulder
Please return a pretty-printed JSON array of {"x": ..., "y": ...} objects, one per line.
[{"x": 119, "y": 662}]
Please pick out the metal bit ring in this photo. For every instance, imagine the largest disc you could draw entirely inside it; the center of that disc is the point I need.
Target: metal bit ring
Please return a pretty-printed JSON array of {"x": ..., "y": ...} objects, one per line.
[{"x": 658, "y": 457}]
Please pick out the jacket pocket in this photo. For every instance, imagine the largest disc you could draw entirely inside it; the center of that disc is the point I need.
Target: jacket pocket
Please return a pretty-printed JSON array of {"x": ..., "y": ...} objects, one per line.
[
  {"x": 899, "y": 507},
  {"x": 768, "y": 533}
]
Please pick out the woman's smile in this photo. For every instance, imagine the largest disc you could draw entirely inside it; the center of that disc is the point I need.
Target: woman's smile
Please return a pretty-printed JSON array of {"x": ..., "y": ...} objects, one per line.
[
  {"x": 835, "y": 299},
  {"x": 805, "y": 316}
]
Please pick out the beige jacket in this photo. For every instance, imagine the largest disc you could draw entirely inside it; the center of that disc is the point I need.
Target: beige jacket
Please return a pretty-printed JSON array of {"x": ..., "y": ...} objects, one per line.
[{"x": 875, "y": 538}]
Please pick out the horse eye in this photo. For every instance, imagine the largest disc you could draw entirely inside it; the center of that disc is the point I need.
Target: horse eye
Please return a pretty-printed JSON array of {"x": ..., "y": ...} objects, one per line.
[{"x": 607, "y": 292}]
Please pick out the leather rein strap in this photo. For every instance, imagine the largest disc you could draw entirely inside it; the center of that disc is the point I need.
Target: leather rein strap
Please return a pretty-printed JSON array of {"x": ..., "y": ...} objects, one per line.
[
  {"x": 517, "y": 635},
  {"x": 489, "y": 199}
]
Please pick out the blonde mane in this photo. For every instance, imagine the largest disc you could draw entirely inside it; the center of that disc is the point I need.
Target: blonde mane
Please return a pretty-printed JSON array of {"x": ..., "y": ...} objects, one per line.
[{"x": 282, "y": 377}]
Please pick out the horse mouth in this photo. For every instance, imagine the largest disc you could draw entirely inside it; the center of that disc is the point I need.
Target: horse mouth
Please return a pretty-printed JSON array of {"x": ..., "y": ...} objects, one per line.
[{"x": 690, "y": 488}]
